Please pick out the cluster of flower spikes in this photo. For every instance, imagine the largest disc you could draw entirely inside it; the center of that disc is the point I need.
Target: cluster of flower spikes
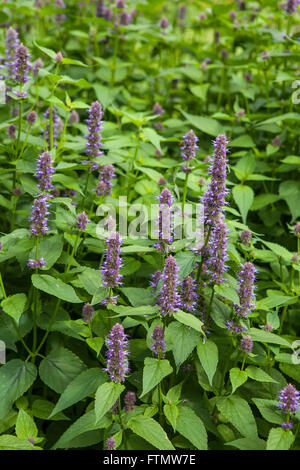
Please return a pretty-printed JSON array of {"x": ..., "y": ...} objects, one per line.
[
  {"x": 21, "y": 68},
  {"x": 291, "y": 6},
  {"x": 11, "y": 44},
  {"x": 55, "y": 127},
  {"x": 164, "y": 223},
  {"x": 104, "y": 186},
  {"x": 288, "y": 403},
  {"x": 44, "y": 172},
  {"x": 246, "y": 290},
  {"x": 188, "y": 294},
  {"x": 111, "y": 267},
  {"x": 117, "y": 354},
  {"x": 93, "y": 137}
]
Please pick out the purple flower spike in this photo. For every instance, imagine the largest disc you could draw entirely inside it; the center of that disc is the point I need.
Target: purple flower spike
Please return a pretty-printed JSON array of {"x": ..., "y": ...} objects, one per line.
[
  {"x": 189, "y": 146},
  {"x": 214, "y": 197},
  {"x": 12, "y": 131},
  {"x": 288, "y": 399},
  {"x": 39, "y": 216},
  {"x": 110, "y": 444},
  {"x": 290, "y": 6},
  {"x": 22, "y": 66},
  {"x": 117, "y": 361},
  {"x": 246, "y": 237},
  {"x": 164, "y": 22},
  {"x": 94, "y": 122},
  {"x": 247, "y": 344},
  {"x": 11, "y": 44},
  {"x": 44, "y": 172},
  {"x": 82, "y": 220},
  {"x": 87, "y": 312},
  {"x": 246, "y": 290},
  {"x": 218, "y": 252},
  {"x": 188, "y": 294},
  {"x": 235, "y": 327},
  {"x": 159, "y": 345},
  {"x": 169, "y": 297},
  {"x": 31, "y": 117},
  {"x": 104, "y": 186},
  {"x": 112, "y": 263},
  {"x": 158, "y": 109},
  {"x": 164, "y": 220},
  {"x": 155, "y": 279},
  {"x": 130, "y": 399},
  {"x": 74, "y": 117}
]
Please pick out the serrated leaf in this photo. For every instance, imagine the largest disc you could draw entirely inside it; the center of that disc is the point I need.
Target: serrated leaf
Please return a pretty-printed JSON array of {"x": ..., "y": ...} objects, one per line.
[
  {"x": 208, "y": 356},
  {"x": 151, "y": 431},
  {"x": 280, "y": 439},
  {"x": 55, "y": 287},
  {"x": 154, "y": 371},
  {"x": 191, "y": 427},
  {"x": 238, "y": 413},
  {"x": 106, "y": 396},
  {"x": 237, "y": 378}
]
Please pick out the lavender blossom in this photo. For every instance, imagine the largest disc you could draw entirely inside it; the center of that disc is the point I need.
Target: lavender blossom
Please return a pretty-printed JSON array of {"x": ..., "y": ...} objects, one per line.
[
  {"x": 189, "y": 146},
  {"x": 44, "y": 172},
  {"x": 130, "y": 399},
  {"x": 157, "y": 109},
  {"x": 110, "y": 444},
  {"x": 291, "y": 6},
  {"x": 87, "y": 312},
  {"x": 117, "y": 361},
  {"x": 94, "y": 122},
  {"x": 120, "y": 4},
  {"x": 218, "y": 252},
  {"x": 164, "y": 220},
  {"x": 182, "y": 12},
  {"x": 100, "y": 9},
  {"x": 39, "y": 216},
  {"x": 164, "y": 22},
  {"x": 55, "y": 125},
  {"x": 21, "y": 67},
  {"x": 169, "y": 297},
  {"x": 104, "y": 186},
  {"x": 188, "y": 294},
  {"x": 246, "y": 237},
  {"x": 38, "y": 64},
  {"x": 268, "y": 327},
  {"x": 297, "y": 229},
  {"x": 159, "y": 345},
  {"x": 288, "y": 399},
  {"x": 234, "y": 327},
  {"x": 246, "y": 290},
  {"x": 12, "y": 131},
  {"x": 31, "y": 117},
  {"x": 74, "y": 117},
  {"x": 82, "y": 221},
  {"x": 36, "y": 263},
  {"x": 125, "y": 18},
  {"x": 155, "y": 279},
  {"x": 214, "y": 197},
  {"x": 11, "y": 44},
  {"x": 112, "y": 263},
  {"x": 247, "y": 344}
]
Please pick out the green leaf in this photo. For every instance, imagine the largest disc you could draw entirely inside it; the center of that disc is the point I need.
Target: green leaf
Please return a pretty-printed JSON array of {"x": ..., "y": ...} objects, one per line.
[
  {"x": 267, "y": 337},
  {"x": 292, "y": 370},
  {"x": 184, "y": 340},
  {"x": 82, "y": 427},
  {"x": 269, "y": 410},
  {"x": 185, "y": 262},
  {"x": 237, "y": 378},
  {"x": 15, "y": 379},
  {"x": 48, "y": 52},
  {"x": 59, "y": 368},
  {"x": 189, "y": 320},
  {"x": 228, "y": 292},
  {"x": 243, "y": 197},
  {"x": 50, "y": 248},
  {"x": 138, "y": 296},
  {"x": 259, "y": 375},
  {"x": 151, "y": 431},
  {"x": 152, "y": 136},
  {"x": 106, "y": 396},
  {"x": 244, "y": 141},
  {"x": 208, "y": 356},
  {"x": 239, "y": 413},
  {"x": 14, "y": 306},
  {"x": 280, "y": 439},
  {"x": 55, "y": 287},
  {"x": 207, "y": 125},
  {"x": 154, "y": 371},
  {"x": 25, "y": 426},
  {"x": 8, "y": 442},
  {"x": 85, "y": 384},
  {"x": 248, "y": 443},
  {"x": 171, "y": 413},
  {"x": 290, "y": 192},
  {"x": 191, "y": 427}
]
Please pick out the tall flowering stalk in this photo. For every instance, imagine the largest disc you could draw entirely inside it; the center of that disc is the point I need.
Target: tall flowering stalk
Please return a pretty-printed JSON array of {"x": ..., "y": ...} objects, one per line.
[
  {"x": 117, "y": 354},
  {"x": 164, "y": 221},
  {"x": 11, "y": 44},
  {"x": 159, "y": 346},
  {"x": 130, "y": 399},
  {"x": 94, "y": 122},
  {"x": 39, "y": 217},
  {"x": 44, "y": 172},
  {"x": 51, "y": 129},
  {"x": 218, "y": 252},
  {"x": 21, "y": 65},
  {"x": 169, "y": 296},
  {"x": 288, "y": 403},
  {"x": 112, "y": 263},
  {"x": 104, "y": 186},
  {"x": 246, "y": 290},
  {"x": 188, "y": 153},
  {"x": 188, "y": 294},
  {"x": 214, "y": 197}
]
